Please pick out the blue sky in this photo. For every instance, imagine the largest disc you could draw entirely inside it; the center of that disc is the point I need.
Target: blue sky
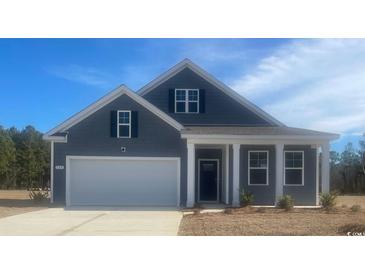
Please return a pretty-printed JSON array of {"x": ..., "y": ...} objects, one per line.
[{"x": 311, "y": 83}]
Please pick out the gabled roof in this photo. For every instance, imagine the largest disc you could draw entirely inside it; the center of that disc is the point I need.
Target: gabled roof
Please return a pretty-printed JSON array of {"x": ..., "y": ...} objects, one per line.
[
  {"x": 257, "y": 132},
  {"x": 186, "y": 63},
  {"x": 78, "y": 117}
]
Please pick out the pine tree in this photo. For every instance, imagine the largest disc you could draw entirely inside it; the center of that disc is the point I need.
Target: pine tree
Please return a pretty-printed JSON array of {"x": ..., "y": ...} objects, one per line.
[
  {"x": 7, "y": 160},
  {"x": 350, "y": 167}
]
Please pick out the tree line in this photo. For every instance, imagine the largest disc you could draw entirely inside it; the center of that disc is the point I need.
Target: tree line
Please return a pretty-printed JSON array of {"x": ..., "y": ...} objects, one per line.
[
  {"x": 348, "y": 169},
  {"x": 25, "y": 162},
  {"x": 24, "y": 159}
]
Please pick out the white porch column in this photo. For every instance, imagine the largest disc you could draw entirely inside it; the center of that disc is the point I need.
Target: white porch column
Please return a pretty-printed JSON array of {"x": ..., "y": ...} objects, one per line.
[
  {"x": 325, "y": 168},
  {"x": 317, "y": 175},
  {"x": 236, "y": 175},
  {"x": 279, "y": 171},
  {"x": 191, "y": 176},
  {"x": 52, "y": 171}
]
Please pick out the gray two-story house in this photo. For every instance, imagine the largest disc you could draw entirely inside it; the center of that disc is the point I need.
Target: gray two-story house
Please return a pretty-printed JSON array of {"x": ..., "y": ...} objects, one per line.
[{"x": 183, "y": 139}]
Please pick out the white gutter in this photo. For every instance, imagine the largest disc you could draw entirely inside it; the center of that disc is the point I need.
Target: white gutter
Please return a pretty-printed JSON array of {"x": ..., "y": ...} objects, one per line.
[
  {"x": 57, "y": 139},
  {"x": 260, "y": 137}
]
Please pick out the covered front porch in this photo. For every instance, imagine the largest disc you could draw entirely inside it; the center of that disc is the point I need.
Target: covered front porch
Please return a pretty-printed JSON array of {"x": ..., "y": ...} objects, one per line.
[{"x": 221, "y": 163}]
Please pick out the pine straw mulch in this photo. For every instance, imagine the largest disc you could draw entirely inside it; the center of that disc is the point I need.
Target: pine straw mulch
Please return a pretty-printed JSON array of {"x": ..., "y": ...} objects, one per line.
[{"x": 273, "y": 222}]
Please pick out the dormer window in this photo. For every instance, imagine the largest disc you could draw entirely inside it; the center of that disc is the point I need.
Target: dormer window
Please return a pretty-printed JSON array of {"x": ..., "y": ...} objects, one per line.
[{"x": 186, "y": 100}]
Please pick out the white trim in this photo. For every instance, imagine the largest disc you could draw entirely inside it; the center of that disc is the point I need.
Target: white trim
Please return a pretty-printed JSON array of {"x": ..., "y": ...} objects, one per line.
[
  {"x": 71, "y": 157},
  {"x": 279, "y": 170},
  {"x": 187, "y": 101},
  {"x": 79, "y": 157},
  {"x": 274, "y": 206},
  {"x": 325, "y": 165},
  {"x": 190, "y": 201},
  {"x": 52, "y": 172},
  {"x": 58, "y": 139},
  {"x": 124, "y": 124},
  {"x": 268, "y": 138},
  {"x": 106, "y": 100},
  {"x": 218, "y": 181},
  {"x": 294, "y": 168},
  {"x": 267, "y": 167},
  {"x": 248, "y": 140},
  {"x": 317, "y": 175},
  {"x": 178, "y": 179},
  {"x": 68, "y": 191},
  {"x": 186, "y": 63},
  {"x": 227, "y": 174}
]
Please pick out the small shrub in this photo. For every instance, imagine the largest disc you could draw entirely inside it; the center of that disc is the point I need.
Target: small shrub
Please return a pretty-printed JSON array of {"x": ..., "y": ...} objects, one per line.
[
  {"x": 246, "y": 198},
  {"x": 286, "y": 202},
  {"x": 38, "y": 195},
  {"x": 328, "y": 200},
  {"x": 355, "y": 208}
]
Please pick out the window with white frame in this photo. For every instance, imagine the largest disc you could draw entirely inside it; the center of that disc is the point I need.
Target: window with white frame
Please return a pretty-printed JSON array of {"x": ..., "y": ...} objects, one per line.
[
  {"x": 258, "y": 167},
  {"x": 294, "y": 168},
  {"x": 124, "y": 124},
  {"x": 186, "y": 100}
]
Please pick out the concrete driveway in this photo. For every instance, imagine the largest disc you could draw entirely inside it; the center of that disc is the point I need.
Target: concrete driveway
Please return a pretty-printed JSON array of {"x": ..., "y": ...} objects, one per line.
[{"x": 81, "y": 221}]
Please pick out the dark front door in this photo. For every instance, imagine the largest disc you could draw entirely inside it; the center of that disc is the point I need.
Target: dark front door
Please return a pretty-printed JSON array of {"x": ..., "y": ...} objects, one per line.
[{"x": 208, "y": 180}]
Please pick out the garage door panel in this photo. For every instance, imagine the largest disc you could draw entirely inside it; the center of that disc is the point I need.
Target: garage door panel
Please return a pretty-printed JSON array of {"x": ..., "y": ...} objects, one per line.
[{"x": 123, "y": 182}]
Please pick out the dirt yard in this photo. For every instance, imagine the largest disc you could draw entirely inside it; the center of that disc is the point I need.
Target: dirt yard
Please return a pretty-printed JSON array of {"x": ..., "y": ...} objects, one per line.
[
  {"x": 350, "y": 200},
  {"x": 13, "y": 202},
  {"x": 273, "y": 222},
  {"x": 277, "y": 222}
]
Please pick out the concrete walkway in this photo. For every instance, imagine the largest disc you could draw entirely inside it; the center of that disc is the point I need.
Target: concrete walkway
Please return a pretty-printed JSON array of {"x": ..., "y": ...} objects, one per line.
[{"x": 88, "y": 221}]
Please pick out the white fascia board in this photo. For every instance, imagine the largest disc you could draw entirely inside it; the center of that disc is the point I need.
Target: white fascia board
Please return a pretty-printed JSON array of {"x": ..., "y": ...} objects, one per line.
[
  {"x": 186, "y": 63},
  {"x": 259, "y": 137},
  {"x": 254, "y": 142},
  {"x": 57, "y": 139},
  {"x": 255, "y": 139},
  {"x": 104, "y": 101}
]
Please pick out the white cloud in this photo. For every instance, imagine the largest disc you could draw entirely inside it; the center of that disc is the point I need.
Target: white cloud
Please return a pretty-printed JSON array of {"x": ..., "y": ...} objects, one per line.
[
  {"x": 316, "y": 84},
  {"x": 85, "y": 75}
]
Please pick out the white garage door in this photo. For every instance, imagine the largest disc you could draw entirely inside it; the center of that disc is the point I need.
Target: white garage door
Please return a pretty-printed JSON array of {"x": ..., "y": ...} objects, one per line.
[{"x": 122, "y": 181}]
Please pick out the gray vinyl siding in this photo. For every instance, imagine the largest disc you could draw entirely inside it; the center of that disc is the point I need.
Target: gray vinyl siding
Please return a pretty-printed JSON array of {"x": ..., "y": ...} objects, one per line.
[
  {"x": 220, "y": 109},
  {"x": 263, "y": 194},
  {"x": 91, "y": 137},
  {"x": 304, "y": 195}
]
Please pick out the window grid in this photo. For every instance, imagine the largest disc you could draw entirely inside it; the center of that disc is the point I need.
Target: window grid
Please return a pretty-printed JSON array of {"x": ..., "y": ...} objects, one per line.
[
  {"x": 266, "y": 167},
  {"x": 293, "y": 161},
  {"x": 124, "y": 119},
  {"x": 187, "y": 96}
]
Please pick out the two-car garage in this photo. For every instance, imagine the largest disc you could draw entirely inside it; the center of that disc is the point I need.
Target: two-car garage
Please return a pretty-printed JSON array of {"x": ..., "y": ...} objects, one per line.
[{"x": 122, "y": 181}]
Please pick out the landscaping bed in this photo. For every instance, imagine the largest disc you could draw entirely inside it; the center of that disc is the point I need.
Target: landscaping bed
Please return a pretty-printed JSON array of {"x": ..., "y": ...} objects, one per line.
[{"x": 251, "y": 221}]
